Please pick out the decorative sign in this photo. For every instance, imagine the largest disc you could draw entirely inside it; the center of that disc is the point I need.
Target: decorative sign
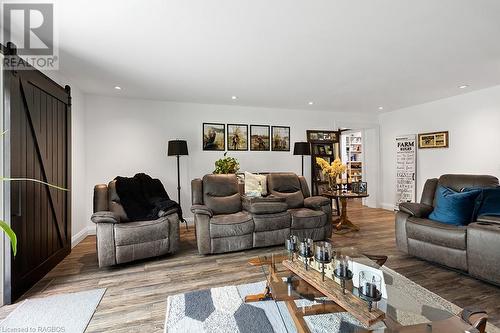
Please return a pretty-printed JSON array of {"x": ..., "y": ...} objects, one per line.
[
  {"x": 433, "y": 140},
  {"x": 406, "y": 159}
]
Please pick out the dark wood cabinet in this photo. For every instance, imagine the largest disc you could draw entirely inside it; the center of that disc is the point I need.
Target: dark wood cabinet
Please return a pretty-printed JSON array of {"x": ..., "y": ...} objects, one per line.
[
  {"x": 324, "y": 144},
  {"x": 38, "y": 146}
]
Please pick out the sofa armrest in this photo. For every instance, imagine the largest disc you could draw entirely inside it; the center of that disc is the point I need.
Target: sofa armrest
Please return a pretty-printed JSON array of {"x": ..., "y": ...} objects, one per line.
[
  {"x": 202, "y": 209},
  {"x": 416, "y": 209},
  {"x": 489, "y": 219},
  {"x": 171, "y": 211},
  {"x": 316, "y": 202},
  {"x": 105, "y": 217}
]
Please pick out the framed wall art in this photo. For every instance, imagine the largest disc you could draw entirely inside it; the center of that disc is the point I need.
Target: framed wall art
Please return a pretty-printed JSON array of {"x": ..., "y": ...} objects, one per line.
[
  {"x": 280, "y": 136},
  {"x": 214, "y": 136},
  {"x": 237, "y": 137},
  {"x": 433, "y": 140},
  {"x": 259, "y": 138},
  {"x": 406, "y": 169}
]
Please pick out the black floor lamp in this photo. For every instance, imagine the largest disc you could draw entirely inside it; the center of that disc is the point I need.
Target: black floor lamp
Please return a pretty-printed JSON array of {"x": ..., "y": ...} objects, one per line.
[
  {"x": 302, "y": 148},
  {"x": 178, "y": 148}
]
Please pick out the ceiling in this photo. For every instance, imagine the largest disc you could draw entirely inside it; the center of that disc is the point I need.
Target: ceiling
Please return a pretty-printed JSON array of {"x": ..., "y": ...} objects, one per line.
[{"x": 350, "y": 55}]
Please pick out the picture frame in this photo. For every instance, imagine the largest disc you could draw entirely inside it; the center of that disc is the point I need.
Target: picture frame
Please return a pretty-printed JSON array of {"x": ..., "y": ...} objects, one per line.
[
  {"x": 280, "y": 138},
  {"x": 237, "y": 137},
  {"x": 359, "y": 187},
  {"x": 214, "y": 136},
  {"x": 433, "y": 140},
  {"x": 260, "y": 138}
]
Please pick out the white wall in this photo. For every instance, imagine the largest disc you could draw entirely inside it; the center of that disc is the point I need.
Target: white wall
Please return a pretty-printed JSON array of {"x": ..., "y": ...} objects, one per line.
[
  {"x": 79, "y": 216},
  {"x": 473, "y": 120},
  {"x": 126, "y": 136}
]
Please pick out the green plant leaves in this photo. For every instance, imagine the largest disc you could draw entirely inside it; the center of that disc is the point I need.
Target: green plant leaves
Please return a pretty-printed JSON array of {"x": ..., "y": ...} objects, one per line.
[
  {"x": 226, "y": 165},
  {"x": 12, "y": 236},
  {"x": 33, "y": 180}
]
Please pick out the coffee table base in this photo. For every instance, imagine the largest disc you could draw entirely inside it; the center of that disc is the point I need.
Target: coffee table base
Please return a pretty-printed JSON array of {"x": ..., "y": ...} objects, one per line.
[
  {"x": 265, "y": 296},
  {"x": 450, "y": 325}
]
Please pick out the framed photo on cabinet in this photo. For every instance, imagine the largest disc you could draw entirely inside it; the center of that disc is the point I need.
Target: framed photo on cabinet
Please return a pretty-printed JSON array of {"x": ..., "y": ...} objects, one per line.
[
  {"x": 214, "y": 136},
  {"x": 259, "y": 138}
]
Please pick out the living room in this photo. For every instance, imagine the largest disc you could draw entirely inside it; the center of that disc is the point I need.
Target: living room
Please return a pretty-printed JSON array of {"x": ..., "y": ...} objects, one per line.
[{"x": 169, "y": 88}]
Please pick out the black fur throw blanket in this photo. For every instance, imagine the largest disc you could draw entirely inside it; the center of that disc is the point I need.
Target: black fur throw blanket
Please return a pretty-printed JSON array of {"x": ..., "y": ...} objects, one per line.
[{"x": 143, "y": 197}]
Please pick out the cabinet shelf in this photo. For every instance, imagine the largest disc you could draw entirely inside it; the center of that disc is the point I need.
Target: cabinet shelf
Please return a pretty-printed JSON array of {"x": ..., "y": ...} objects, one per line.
[{"x": 353, "y": 153}]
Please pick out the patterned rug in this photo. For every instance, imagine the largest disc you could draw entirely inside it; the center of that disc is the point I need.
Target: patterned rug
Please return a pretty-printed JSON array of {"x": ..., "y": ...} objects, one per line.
[{"x": 223, "y": 310}]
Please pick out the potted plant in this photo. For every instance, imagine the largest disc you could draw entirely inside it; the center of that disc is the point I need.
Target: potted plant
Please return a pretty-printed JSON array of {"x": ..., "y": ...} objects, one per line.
[{"x": 226, "y": 165}]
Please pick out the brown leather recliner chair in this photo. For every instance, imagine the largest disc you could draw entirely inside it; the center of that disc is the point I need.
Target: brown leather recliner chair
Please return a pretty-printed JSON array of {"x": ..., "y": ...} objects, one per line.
[
  {"x": 226, "y": 222},
  {"x": 474, "y": 248},
  {"x": 120, "y": 240}
]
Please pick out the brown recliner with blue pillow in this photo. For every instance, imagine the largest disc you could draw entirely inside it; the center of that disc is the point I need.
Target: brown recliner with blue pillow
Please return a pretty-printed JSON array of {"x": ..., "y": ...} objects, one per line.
[{"x": 474, "y": 248}]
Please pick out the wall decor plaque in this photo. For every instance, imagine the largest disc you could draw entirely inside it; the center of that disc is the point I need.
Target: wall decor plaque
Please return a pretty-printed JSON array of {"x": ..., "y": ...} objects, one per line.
[
  {"x": 406, "y": 167},
  {"x": 433, "y": 140}
]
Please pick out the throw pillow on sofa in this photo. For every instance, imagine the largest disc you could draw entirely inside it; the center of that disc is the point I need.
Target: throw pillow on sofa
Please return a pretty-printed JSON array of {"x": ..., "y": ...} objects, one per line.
[
  {"x": 454, "y": 208},
  {"x": 255, "y": 183},
  {"x": 488, "y": 202}
]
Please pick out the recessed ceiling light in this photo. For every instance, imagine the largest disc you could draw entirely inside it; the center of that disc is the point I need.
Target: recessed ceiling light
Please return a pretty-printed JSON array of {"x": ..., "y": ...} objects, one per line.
[
  {"x": 118, "y": 88},
  {"x": 234, "y": 97},
  {"x": 380, "y": 107},
  {"x": 463, "y": 86},
  {"x": 310, "y": 103}
]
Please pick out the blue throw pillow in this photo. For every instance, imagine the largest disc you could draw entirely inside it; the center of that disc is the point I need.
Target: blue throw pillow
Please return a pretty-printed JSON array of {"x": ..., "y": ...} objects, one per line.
[
  {"x": 455, "y": 208},
  {"x": 488, "y": 202}
]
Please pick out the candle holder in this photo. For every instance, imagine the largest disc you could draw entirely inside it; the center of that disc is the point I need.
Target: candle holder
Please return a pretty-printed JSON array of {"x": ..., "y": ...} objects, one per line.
[
  {"x": 343, "y": 269},
  {"x": 306, "y": 251},
  {"x": 323, "y": 252},
  {"x": 370, "y": 288},
  {"x": 292, "y": 246}
]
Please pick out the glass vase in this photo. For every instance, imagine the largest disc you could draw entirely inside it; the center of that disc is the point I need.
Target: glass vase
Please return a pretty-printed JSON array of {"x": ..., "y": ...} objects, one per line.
[{"x": 332, "y": 183}]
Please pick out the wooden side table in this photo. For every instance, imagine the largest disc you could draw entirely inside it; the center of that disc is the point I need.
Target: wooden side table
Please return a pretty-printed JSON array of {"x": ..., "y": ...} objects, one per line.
[{"x": 343, "y": 223}]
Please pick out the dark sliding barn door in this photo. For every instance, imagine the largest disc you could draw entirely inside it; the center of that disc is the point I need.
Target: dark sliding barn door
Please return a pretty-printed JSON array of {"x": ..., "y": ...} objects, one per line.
[{"x": 39, "y": 130}]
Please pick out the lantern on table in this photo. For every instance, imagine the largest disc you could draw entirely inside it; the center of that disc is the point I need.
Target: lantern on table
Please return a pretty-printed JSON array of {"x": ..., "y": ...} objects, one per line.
[
  {"x": 370, "y": 287},
  {"x": 323, "y": 252}
]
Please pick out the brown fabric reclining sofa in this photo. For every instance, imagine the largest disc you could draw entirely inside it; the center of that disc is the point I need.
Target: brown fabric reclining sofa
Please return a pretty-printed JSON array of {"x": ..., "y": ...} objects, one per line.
[{"x": 226, "y": 221}]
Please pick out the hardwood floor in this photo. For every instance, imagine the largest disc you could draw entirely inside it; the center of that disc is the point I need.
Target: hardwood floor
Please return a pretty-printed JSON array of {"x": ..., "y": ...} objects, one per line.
[{"x": 135, "y": 300}]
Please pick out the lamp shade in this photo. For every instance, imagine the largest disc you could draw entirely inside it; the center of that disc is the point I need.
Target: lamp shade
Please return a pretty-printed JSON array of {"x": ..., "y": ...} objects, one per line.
[
  {"x": 302, "y": 148},
  {"x": 177, "y": 147}
]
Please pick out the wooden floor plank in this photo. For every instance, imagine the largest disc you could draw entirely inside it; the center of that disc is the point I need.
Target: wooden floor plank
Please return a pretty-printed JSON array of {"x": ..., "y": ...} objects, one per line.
[{"x": 135, "y": 300}]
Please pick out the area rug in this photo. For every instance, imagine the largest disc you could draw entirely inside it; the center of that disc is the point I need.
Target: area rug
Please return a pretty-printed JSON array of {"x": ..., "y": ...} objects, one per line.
[
  {"x": 59, "y": 313},
  {"x": 223, "y": 310}
]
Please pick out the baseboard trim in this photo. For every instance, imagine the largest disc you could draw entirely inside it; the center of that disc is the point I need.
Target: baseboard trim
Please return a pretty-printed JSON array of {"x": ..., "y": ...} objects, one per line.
[
  {"x": 76, "y": 239},
  {"x": 387, "y": 206},
  {"x": 91, "y": 230}
]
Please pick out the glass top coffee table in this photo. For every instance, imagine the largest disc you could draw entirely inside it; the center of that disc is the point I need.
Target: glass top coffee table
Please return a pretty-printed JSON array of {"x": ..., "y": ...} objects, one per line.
[{"x": 406, "y": 306}]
